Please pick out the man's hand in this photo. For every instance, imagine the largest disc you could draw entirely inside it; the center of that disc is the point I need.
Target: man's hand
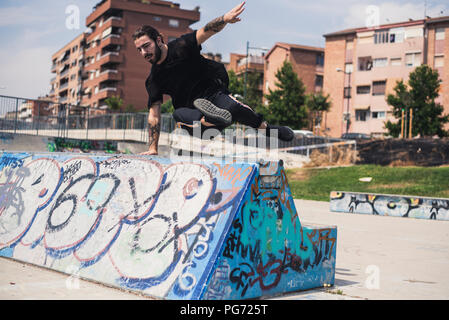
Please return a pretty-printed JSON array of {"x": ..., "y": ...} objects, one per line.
[
  {"x": 233, "y": 15},
  {"x": 218, "y": 24}
]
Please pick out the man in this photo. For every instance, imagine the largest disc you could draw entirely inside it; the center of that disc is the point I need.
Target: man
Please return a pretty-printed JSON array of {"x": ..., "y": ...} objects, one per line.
[{"x": 198, "y": 86}]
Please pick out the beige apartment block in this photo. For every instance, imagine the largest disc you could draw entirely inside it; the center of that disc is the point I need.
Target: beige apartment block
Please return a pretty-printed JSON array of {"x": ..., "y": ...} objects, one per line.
[
  {"x": 107, "y": 62},
  {"x": 363, "y": 65}
]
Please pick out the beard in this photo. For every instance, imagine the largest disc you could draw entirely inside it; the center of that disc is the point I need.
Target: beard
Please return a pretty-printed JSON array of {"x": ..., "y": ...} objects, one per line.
[{"x": 154, "y": 58}]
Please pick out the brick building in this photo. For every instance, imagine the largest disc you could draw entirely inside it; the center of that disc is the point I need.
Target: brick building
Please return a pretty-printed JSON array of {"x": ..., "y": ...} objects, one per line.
[
  {"x": 307, "y": 62},
  {"x": 362, "y": 66},
  {"x": 67, "y": 66},
  {"x": 103, "y": 61}
]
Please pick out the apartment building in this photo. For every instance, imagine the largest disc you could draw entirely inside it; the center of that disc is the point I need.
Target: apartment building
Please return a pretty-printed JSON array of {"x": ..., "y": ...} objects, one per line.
[
  {"x": 107, "y": 63},
  {"x": 307, "y": 62},
  {"x": 29, "y": 110},
  {"x": 363, "y": 65},
  {"x": 67, "y": 66},
  {"x": 241, "y": 65}
]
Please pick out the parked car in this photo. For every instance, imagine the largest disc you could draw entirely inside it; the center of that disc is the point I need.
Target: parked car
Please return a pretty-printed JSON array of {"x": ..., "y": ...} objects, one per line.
[
  {"x": 303, "y": 133},
  {"x": 355, "y": 136}
]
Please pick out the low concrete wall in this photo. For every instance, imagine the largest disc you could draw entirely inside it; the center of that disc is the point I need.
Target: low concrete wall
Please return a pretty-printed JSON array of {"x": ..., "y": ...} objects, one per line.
[{"x": 390, "y": 205}]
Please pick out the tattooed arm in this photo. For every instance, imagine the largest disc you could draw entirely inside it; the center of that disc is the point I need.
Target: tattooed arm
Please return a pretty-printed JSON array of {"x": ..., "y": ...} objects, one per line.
[
  {"x": 154, "y": 129},
  {"x": 218, "y": 24}
]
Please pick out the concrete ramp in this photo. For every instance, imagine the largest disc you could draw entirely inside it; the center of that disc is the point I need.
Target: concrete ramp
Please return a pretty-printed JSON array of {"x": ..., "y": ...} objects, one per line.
[{"x": 170, "y": 229}]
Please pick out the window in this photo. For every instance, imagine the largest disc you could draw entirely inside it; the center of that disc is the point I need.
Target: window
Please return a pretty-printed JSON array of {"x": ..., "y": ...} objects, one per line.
[
  {"x": 439, "y": 61},
  {"x": 413, "y": 59},
  {"x": 320, "y": 59},
  {"x": 397, "y": 35},
  {"x": 380, "y": 62},
  {"x": 349, "y": 68},
  {"x": 378, "y": 114},
  {"x": 319, "y": 81},
  {"x": 106, "y": 32},
  {"x": 365, "y": 63},
  {"x": 382, "y": 36},
  {"x": 379, "y": 88},
  {"x": 396, "y": 62},
  {"x": 440, "y": 34},
  {"x": 363, "y": 89},
  {"x": 349, "y": 44},
  {"x": 414, "y": 33},
  {"x": 173, "y": 23},
  {"x": 361, "y": 115}
]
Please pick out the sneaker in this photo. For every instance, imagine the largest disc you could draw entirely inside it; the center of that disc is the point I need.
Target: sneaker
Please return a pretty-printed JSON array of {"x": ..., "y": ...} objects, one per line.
[
  {"x": 283, "y": 133},
  {"x": 213, "y": 114}
]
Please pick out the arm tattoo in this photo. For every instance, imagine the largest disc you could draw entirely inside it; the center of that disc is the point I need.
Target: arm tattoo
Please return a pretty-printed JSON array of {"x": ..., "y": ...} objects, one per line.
[
  {"x": 154, "y": 131},
  {"x": 215, "y": 25}
]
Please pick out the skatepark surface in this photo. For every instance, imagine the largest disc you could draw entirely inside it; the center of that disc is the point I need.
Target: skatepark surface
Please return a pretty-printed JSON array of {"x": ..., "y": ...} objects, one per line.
[{"x": 378, "y": 258}]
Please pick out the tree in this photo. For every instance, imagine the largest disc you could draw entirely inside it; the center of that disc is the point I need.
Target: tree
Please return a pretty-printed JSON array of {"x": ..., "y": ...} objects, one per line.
[
  {"x": 317, "y": 103},
  {"x": 236, "y": 85},
  {"x": 419, "y": 96},
  {"x": 114, "y": 103},
  {"x": 254, "y": 95},
  {"x": 286, "y": 103},
  {"x": 167, "y": 107}
]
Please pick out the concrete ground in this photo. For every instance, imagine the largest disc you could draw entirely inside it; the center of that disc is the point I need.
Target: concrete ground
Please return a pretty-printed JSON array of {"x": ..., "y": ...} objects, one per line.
[{"x": 378, "y": 257}]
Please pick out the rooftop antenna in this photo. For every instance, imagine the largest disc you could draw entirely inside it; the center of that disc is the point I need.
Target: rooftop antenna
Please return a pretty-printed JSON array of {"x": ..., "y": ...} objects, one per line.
[{"x": 425, "y": 9}]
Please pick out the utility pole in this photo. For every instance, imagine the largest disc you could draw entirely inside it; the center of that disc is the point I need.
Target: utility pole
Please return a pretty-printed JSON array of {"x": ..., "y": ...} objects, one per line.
[{"x": 246, "y": 66}]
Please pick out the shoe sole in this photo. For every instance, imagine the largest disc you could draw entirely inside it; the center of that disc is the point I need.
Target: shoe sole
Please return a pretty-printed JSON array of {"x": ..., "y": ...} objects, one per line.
[{"x": 213, "y": 112}]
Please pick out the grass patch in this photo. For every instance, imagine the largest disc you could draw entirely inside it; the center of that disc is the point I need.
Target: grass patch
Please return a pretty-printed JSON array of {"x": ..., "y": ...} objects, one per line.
[{"x": 317, "y": 183}]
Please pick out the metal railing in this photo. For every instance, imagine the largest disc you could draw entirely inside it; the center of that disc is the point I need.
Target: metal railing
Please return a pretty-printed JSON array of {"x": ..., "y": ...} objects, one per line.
[{"x": 77, "y": 122}]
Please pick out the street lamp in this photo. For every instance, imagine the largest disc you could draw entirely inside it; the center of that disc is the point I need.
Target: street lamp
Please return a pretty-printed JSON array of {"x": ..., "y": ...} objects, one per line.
[
  {"x": 346, "y": 95},
  {"x": 246, "y": 64}
]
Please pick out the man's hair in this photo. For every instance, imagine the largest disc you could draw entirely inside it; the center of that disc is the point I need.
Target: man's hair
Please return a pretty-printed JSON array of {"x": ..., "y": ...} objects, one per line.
[{"x": 149, "y": 31}]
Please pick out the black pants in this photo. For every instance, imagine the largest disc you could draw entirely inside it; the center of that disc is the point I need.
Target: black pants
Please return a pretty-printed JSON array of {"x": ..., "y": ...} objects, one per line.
[{"x": 241, "y": 113}]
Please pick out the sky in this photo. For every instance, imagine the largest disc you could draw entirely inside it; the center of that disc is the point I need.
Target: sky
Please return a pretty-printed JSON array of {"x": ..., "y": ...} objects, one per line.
[{"x": 32, "y": 30}]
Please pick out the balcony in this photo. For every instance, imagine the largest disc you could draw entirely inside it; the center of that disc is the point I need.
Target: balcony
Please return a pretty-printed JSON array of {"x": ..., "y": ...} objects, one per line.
[
  {"x": 63, "y": 86},
  {"x": 114, "y": 22},
  {"x": 114, "y": 57},
  {"x": 110, "y": 75},
  {"x": 107, "y": 92},
  {"x": 112, "y": 39}
]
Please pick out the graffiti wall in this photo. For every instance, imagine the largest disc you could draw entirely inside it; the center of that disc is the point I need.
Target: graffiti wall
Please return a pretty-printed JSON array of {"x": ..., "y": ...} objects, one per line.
[
  {"x": 390, "y": 205},
  {"x": 268, "y": 248},
  {"x": 161, "y": 227}
]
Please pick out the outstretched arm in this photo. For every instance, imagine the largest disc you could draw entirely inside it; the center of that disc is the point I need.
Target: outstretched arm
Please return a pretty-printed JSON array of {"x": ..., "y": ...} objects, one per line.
[{"x": 218, "y": 24}]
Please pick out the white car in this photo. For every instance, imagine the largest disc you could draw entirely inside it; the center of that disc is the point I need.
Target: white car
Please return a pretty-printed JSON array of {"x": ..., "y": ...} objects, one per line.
[{"x": 305, "y": 133}]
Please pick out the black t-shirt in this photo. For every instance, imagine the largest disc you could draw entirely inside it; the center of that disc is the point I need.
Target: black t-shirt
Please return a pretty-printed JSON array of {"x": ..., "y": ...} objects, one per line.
[{"x": 185, "y": 74}]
